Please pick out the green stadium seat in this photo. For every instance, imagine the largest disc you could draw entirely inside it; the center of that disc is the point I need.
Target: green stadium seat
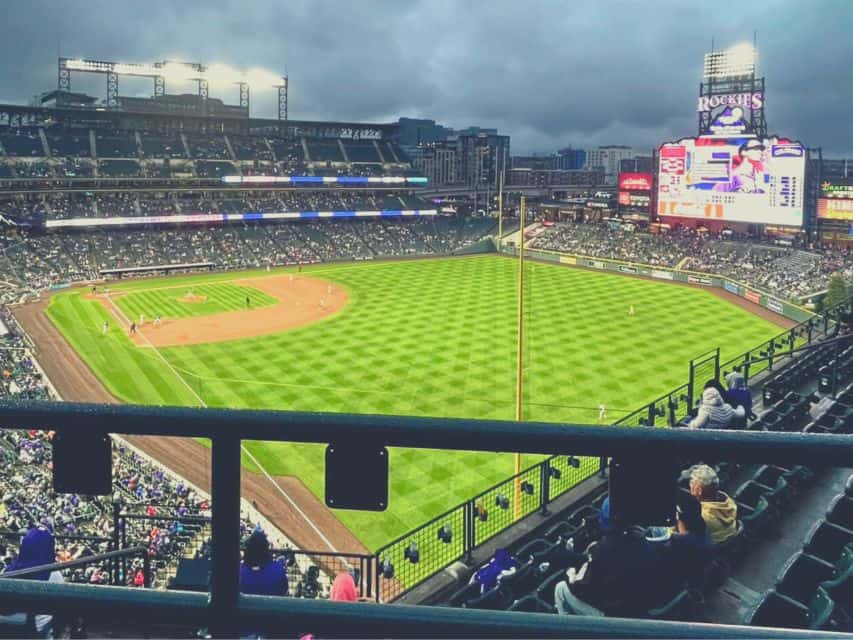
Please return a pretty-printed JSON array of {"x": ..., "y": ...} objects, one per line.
[
  {"x": 827, "y": 541},
  {"x": 841, "y": 512},
  {"x": 776, "y": 610},
  {"x": 756, "y": 521},
  {"x": 801, "y": 576}
]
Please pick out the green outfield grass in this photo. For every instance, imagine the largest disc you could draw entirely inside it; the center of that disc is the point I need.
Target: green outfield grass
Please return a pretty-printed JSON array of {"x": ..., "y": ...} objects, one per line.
[
  {"x": 429, "y": 338},
  {"x": 168, "y": 301}
]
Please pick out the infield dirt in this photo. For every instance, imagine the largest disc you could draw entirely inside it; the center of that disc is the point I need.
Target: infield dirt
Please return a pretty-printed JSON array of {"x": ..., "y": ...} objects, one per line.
[{"x": 76, "y": 382}]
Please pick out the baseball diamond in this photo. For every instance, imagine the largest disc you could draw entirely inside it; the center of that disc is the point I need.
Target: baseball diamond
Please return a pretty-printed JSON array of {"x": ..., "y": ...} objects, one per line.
[{"x": 431, "y": 337}]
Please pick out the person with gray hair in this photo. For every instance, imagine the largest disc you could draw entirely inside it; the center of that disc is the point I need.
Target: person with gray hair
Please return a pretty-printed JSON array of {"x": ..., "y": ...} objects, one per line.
[{"x": 719, "y": 511}]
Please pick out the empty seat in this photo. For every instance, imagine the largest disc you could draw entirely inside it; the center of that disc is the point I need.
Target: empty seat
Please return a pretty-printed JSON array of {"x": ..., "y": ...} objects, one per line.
[
  {"x": 841, "y": 512},
  {"x": 532, "y": 604},
  {"x": 682, "y": 606},
  {"x": 801, "y": 576},
  {"x": 776, "y": 610},
  {"x": 468, "y": 592},
  {"x": 756, "y": 521},
  {"x": 495, "y": 599},
  {"x": 827, "y": 541}
]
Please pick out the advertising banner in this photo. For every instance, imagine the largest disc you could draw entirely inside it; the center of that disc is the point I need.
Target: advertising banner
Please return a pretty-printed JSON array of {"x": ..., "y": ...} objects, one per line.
[
  {"x": 663, "y": 275},
  {"x": 626, "y": 269},
  {"x": 752, "y": 296},
  {"x": 568, "y": 260},
  {"x": 635, "y": 181},
  {"x": 834, "y": 209},
  {"x": 731, "y": 287},
  {"x": 699, "y": 280},
  {"x": 738, "y": 178},
  {"x": 597, "y": 264},
  {"x": 775, "y": 306},
  {"x": 624, "y": 198}
]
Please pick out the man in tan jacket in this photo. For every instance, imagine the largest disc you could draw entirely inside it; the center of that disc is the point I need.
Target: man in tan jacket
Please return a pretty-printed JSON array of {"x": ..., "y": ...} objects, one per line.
[{"x": 719, "y": 511}]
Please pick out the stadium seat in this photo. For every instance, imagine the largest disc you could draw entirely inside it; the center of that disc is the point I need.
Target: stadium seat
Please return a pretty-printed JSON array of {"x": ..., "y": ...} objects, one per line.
[
  {"x": 545, "y": 591},
  {"x": 776, "y": 610},
  {"x": 533, "y": 547},
  {"x": 523, "y": 581},
  {"x": 532, "y": 604},
  {"x": 841, "y": 512},
  {"x": 801, "y": 576},
  {"x": 468, "y": 592},
  {"x": 756, "y": 521},
  {"x": 496, "y": 599},
  {"x": 562, "y": 530},
  {"x": 827, "y": 541},
  {"x": 683, "y": 606}
]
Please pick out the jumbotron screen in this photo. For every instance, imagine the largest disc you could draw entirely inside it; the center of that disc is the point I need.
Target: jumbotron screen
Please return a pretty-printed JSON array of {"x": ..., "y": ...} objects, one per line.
[{"x": 739, "y": 179}]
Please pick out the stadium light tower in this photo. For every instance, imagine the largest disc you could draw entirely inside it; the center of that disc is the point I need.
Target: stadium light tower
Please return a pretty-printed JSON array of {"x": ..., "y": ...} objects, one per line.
[
  {"x": 730, "y": 87},
  {"x": 735, "y": 62}
]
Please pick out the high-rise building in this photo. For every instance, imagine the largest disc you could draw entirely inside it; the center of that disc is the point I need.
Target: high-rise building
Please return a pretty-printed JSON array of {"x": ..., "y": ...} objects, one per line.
[
  {"x": 609, "y": 157},
  {"x": 481, "y": 157},
  {"x": 639, "y": 164},
  {"x": 437, "y": 162},
  {"x": 540, "y": 163},
  {"x": 571, "y": 159}
]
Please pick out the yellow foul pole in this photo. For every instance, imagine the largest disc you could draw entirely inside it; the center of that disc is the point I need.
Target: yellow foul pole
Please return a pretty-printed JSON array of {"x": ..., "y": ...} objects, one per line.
[
  {"x": 500, "y": 210},
  {"x": 519, "y": 373}
]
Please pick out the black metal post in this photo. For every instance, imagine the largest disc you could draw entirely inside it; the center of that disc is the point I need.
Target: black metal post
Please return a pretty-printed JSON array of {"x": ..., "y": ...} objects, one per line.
[
  {"x": 468, "y": 520},
  {"x": 835, "y": 370},
  {"x": 225, "y": 569},
  {"x": 116, "y": 563},
  {"x": 717, "y": 364},
  {"x": 545, "y": 482},
  {"x": 146, "y": 570}
]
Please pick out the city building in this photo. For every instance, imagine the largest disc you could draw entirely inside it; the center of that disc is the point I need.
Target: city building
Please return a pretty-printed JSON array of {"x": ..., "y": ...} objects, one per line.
[
  {"x": 437, "y": 162},
  {"x": 609, "y": 157},
  {"x": 571, "y": 159}
]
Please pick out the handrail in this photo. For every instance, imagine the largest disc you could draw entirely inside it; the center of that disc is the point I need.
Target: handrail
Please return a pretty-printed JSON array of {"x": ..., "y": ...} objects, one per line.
[
  {"x": 423, "y": 433},
  {"x": 79, "y": 562},
  {"x": 291, "y": 616},
  {"x": 226, "y": 429}
]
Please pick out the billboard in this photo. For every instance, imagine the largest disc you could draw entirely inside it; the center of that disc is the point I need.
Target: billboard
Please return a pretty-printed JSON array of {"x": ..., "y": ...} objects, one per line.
[
  {"x": 736, "y": 179},
  {"x": 836, "y": 200},
  {"x": 635, "y": 182},
  {"x": 834, "y": 209}
]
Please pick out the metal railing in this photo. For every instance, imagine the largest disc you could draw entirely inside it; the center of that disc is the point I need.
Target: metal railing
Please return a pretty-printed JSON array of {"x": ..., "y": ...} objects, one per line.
[{"x": 225, "y": 611}]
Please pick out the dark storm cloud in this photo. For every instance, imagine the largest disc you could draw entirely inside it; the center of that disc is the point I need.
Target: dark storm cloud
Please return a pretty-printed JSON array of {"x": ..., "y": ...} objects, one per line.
[{"x": 549, "y": 73}]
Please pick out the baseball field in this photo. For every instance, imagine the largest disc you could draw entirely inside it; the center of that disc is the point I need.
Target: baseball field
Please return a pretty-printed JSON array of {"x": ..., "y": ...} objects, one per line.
[{"x": 424, "y": 337}]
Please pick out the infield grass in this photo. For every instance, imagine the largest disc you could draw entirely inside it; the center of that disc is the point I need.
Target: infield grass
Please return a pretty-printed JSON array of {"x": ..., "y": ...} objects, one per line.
[
  {"x": 428, "y": 338},
  {"x": 176, "y": 301}
]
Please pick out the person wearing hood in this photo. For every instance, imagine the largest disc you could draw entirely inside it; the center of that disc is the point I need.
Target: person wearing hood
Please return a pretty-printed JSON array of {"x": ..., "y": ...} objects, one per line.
[
  {"x": 719, "y": 511},
  {"x": 38, "y": 548},
  {"x": 260, "y": 575},
  {"x": 740, "y": 395},
  {"x": 714, "y": 412}
]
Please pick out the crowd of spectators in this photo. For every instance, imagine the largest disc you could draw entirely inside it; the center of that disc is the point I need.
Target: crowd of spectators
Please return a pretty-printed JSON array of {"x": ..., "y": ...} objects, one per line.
[
  {"x": 32, "y": 261},
  {"x": 116, "y": 153},
  {"x": 42, "y": 206},
  {"x": 82, "y": 525},
  {"x": 785, "y": 272}
]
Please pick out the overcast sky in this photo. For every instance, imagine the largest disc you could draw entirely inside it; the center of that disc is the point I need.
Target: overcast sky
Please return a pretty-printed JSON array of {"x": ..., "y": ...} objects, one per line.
[{"x": 549, "y": 73}]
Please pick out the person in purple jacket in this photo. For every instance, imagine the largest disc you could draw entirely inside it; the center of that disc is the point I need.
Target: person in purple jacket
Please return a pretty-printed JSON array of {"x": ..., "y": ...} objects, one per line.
[{"x": 260, "y": 575}]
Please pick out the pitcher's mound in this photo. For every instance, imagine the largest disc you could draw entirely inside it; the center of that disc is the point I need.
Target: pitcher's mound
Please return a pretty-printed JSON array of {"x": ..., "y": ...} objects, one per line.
[{"x": 192, "y": 298}]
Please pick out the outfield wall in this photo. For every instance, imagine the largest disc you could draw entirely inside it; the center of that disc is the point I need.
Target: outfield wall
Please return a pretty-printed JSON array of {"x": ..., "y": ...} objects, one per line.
[{"x": 777, "y": 305}]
